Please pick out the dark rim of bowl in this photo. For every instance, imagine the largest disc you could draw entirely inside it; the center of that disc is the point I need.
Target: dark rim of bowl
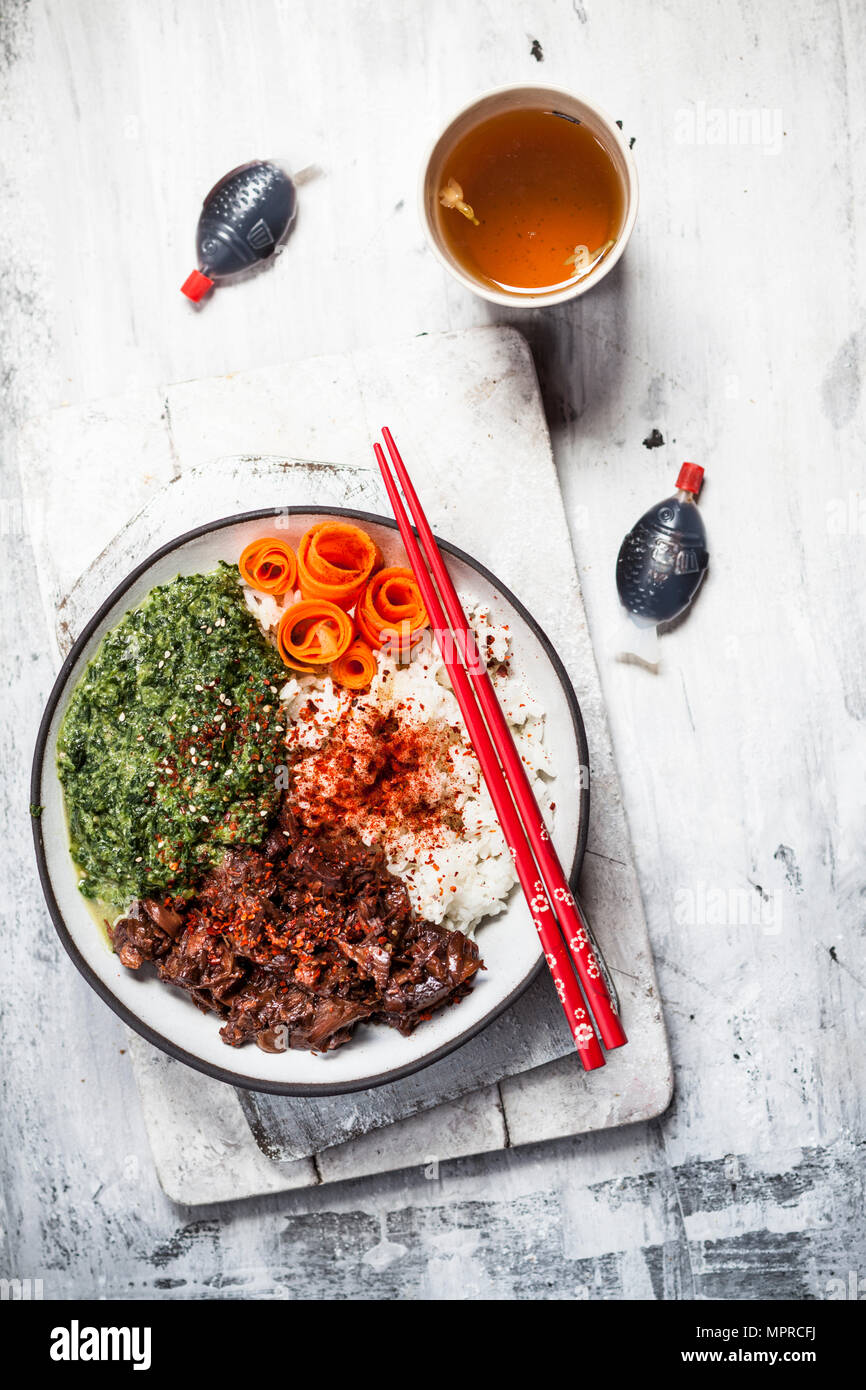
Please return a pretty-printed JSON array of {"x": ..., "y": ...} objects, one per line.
[{"x": 286, "y": 1088}]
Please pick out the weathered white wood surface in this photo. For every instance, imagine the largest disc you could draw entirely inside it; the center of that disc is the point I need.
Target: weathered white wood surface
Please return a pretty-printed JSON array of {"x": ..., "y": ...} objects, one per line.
[
  {"x": 735, "y": 327},
  {"x": 487, "y": 380}
]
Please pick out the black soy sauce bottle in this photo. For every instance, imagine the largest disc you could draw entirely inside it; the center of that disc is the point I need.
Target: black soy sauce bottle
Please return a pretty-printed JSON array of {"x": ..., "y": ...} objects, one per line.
[
  {"x": 664, "y": 557},
  {"x": 244, "y": 219}
]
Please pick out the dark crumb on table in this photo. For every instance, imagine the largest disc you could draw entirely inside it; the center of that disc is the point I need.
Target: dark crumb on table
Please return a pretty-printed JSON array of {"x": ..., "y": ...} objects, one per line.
[
  {"x": 654, "y": 440},
  {"x": 536, "y": 51}
]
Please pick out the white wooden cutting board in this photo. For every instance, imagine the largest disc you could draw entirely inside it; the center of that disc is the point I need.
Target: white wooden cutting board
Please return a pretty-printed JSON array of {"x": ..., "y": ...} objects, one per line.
[{"x": 467, "y": 412}]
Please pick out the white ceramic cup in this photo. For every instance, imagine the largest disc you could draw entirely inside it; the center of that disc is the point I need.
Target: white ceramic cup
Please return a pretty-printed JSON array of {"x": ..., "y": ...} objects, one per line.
[{"x": 493, "y": 103}]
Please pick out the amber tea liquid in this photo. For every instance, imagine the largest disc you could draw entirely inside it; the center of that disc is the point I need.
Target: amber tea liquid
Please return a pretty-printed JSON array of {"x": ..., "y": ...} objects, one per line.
[{"x": 546, "y": 196}]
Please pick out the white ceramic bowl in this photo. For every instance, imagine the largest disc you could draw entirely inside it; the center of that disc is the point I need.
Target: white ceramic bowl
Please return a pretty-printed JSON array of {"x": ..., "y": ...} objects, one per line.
[
  {"x": 492, "y": 103},
  {"x": 165, "y": 1015}
]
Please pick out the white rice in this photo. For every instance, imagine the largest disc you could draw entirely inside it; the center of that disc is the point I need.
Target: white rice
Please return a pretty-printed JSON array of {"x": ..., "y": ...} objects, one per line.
[{"x": 472, "y": 872}]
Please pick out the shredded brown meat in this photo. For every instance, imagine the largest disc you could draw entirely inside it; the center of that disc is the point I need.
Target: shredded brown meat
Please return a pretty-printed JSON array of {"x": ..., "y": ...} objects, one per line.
[{"x": 294, "y": 944}]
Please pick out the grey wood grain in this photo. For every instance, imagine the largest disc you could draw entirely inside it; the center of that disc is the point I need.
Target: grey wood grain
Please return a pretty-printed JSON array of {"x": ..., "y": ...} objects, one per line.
[{"x": 735, "y": 326}]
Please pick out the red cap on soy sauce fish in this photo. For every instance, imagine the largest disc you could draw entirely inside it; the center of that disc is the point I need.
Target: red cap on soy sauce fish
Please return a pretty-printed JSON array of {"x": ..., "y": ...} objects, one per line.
[
  {"x": 690, "y": 477},
  {"x": 244, "y": 220},
  {"x": 664, "y": 557}
]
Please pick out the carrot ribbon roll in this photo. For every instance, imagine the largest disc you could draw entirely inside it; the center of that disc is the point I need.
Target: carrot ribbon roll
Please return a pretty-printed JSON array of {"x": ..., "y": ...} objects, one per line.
[
  {"x": 269, "y": 565},
  {"x": 391, "y": 606},
  {"x": 356, "y": 667},
  {"x": 335, "y": 560},
  {"x": 312, "y": 634}
]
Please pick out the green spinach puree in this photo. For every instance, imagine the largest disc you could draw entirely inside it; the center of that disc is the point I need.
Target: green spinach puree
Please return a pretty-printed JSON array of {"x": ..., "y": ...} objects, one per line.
[{"x": 169, "y": 748}]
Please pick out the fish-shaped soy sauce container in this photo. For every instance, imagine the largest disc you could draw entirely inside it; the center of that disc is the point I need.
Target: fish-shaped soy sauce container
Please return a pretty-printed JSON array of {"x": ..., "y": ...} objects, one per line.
[
  {"x": 662, "y": 562},
  {"x": 245, "y": 219}
]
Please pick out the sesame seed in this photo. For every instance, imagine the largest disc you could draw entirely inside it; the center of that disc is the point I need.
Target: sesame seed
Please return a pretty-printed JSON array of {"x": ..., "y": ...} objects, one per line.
[{"x": 121, "y": 718}]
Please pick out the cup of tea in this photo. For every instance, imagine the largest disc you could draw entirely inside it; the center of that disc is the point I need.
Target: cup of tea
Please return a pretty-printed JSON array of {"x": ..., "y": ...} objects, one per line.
[{"x": 529, "y": 196}]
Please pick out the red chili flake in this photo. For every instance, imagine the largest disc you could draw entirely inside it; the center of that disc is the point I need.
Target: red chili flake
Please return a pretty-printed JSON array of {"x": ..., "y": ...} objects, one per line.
[{"x": 379, "y": 774}]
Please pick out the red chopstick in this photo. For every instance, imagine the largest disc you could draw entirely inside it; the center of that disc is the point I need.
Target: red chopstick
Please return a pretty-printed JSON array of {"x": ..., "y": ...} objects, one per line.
[
  {"x": 555, "y": 882},
  {"x": 543, "y": 917}
]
